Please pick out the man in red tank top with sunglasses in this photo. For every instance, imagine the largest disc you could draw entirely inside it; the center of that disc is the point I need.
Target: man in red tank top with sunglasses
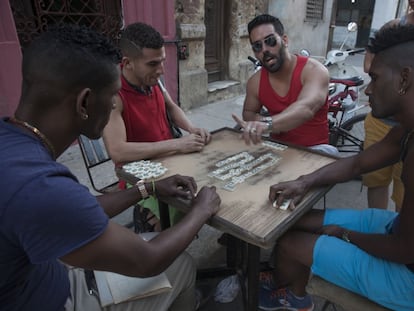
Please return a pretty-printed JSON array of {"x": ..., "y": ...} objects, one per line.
[{"x": 292, "y": 88}]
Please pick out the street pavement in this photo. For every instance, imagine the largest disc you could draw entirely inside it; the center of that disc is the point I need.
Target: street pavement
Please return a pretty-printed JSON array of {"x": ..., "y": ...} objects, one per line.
[{"x": 205, "y": 249}]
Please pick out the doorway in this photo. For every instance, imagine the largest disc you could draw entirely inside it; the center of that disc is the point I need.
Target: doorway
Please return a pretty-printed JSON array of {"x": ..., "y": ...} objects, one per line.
[{"x": 216, "y": 30}]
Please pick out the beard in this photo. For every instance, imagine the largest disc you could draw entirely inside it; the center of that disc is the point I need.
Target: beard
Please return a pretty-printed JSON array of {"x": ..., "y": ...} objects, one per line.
[{"x": 279, "y": 59}]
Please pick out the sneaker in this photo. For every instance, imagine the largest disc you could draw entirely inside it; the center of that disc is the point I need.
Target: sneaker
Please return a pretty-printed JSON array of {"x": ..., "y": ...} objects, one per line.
[
  {"x": 267, "y": 281},
  {"x": 283, "y": 299}
]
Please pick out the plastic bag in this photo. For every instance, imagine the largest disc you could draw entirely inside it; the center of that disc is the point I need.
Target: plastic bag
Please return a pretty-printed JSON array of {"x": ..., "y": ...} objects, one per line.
[{"x": 227, "y": 289}]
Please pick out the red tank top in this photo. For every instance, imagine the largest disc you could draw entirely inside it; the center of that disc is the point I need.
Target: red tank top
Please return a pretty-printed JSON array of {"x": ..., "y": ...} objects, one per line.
[
  {"x": 144, "y": 114},
  {"x": 314, "y": 131}
]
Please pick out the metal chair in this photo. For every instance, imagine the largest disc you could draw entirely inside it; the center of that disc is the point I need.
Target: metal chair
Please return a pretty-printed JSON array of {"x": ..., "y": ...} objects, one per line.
[
  {"x": 98, "y": 164},
  {"x": 96, "y": 158}
]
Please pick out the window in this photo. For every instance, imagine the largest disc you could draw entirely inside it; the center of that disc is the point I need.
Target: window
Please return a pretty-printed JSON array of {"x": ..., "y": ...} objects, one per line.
[
  {"x": 33, "y": 17},
  {"x": 314, "y": 10}
]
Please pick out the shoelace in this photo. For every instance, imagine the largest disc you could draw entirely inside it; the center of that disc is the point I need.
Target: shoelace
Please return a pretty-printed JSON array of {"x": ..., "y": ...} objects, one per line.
[{"x": 266, "y": 278}]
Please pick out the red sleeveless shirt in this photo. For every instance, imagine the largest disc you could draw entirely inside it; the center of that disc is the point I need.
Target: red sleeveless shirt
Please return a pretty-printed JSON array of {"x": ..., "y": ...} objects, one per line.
[
  {"x": 314, "y": 131},
  {"x": 144, "y": 114}
]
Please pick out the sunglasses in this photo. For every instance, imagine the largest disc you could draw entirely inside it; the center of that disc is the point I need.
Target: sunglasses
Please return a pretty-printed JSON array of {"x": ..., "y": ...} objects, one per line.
[{"x": 270, "y": 41}]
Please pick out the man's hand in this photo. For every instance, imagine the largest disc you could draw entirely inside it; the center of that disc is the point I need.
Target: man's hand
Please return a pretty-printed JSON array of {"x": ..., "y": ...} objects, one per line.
[
  {"x": 294, "y": 190},
  {"x": 208, "y": 200},
  {"x": 190, "y": 143},
  {"x": 203, "y": 133},
  {"x": 332, "y": 230},
  {"x": 252, "y": 130},
  {"x": 183, "y": 187}
]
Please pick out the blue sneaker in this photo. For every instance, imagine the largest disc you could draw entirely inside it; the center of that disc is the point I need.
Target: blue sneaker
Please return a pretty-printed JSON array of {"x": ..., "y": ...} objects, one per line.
[
  {"x": 267, "y": 281},
  {"x": 283, "y": 299}
]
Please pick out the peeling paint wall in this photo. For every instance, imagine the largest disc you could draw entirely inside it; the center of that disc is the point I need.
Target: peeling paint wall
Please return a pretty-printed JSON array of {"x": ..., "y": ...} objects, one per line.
[{"x": 312, "y": 36}]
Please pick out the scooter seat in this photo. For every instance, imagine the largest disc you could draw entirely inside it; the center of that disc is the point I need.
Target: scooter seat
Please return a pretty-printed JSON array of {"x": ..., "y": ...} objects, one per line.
[{"x": 353, "y": 81}]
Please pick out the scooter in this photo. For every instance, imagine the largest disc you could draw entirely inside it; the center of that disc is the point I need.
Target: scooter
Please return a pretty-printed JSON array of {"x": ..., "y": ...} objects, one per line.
[
  {"x": 342, "y": 74},
  {"x": 335, "y": 59}
]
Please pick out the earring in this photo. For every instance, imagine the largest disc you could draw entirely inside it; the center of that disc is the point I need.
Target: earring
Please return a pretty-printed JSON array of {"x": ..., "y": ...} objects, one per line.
[
  {"x": 402, "y": 91},
  {"x": 85, "y": 117}
]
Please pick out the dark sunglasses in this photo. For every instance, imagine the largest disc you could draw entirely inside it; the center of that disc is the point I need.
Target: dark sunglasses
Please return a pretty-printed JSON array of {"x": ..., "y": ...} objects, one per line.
[{"x": 270, "y": 41}]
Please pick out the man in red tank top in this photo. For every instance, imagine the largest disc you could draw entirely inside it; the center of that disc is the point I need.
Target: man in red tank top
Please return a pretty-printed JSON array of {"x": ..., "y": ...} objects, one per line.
[
  {"x": 138, "y": 128},
  {"x": 292, "y": 88}
]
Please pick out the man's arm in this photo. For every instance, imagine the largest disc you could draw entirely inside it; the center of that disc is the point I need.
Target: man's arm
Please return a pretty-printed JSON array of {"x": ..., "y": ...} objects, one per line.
[
  {"x": 381, "y": 154},
  {"x": 120, "y": 150},
  {"x": 315, "y": 81},
  {"x": 180, "y": 119},
  {"x": 122, "y": 251},
  {"x": 252, "y": 105}
]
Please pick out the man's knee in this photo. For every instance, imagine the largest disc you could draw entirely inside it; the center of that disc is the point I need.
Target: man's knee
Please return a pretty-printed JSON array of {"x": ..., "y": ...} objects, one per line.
[{"x": 184, "y": 269}]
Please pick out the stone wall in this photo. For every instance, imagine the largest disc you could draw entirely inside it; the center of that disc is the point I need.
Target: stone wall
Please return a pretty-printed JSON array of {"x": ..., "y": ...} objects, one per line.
[{"x": 191, "y": 30}]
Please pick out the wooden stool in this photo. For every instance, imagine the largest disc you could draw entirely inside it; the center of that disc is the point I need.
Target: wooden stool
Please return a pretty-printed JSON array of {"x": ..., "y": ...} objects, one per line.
[{"x": 335, "y": 295}]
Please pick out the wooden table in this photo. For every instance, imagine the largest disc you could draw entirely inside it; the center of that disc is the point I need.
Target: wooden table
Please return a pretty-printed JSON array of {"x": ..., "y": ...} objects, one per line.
[{"x": 246, "y": 212}]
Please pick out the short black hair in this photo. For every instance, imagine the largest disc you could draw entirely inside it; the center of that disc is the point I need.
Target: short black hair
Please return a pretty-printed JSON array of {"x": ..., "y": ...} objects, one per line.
[
  {"x": 137, "y": 36},
  {"x": 266, "y": 19},
  {"x": 388, "y": 37},
  {"x": 70, "y": 57}
]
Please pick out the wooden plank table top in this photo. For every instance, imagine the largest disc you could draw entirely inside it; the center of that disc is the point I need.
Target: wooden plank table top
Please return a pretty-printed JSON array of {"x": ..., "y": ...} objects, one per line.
[{"x": 246, "y": 212}]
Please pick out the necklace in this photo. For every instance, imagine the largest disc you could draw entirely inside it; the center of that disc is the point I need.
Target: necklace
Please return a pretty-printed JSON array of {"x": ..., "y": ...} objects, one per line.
[{"x": 37, "y": 133}]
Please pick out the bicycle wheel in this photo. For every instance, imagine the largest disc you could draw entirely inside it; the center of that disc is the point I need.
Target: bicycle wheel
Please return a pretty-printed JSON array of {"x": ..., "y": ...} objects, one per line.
[{"x": 349, "y": 137}]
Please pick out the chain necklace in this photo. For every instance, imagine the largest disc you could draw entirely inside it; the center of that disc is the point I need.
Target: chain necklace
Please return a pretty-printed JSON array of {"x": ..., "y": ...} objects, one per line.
[{"x": 37, "y": 133}]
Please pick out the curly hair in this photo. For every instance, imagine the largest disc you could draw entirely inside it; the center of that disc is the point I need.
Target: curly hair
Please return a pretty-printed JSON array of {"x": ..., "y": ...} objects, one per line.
[
  {"x": 388, "y": 37},
  {"x": 137, "y": 36},
  {"x": 70, "y": 57},
  {"x": 266, "y": 19}
]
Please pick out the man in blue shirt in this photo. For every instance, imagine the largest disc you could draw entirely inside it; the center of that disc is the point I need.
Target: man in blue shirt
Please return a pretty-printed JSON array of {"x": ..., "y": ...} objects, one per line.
[{"x": 50, "y": 223}]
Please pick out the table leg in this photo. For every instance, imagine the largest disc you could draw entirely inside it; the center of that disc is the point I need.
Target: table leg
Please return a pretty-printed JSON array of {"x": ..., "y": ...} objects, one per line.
[
  {"x": 164, "y": 215},
  {"x": 253, "y": 269},
  {"x": 234, "y": 252}
]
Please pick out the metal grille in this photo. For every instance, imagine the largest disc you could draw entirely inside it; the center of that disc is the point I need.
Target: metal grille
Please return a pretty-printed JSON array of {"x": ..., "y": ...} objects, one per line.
[
  {"x": 35, "y": 16},
  {"x": 314, "y": 10}
]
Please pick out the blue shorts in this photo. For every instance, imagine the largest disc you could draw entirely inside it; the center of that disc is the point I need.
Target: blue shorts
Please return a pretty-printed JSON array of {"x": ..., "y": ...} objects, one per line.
[{"x": 387, "y": 283}]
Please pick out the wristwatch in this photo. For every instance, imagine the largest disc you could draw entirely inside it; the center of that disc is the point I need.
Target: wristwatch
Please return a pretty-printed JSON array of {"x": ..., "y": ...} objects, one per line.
[
  {"x": 269, "y": 123},
  {"x": 141, "y": 188},
  {"x": 345, "y": 236}
]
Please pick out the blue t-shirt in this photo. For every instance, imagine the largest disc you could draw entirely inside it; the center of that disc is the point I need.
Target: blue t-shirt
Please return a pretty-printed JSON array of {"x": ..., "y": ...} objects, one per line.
[{"x": 44, "y": 214}]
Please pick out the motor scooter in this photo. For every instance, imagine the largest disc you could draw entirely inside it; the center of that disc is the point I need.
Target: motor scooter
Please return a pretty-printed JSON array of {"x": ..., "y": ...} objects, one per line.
[
  {"x": 345, "y": 80},
  {"x": 335, "y": 59}
]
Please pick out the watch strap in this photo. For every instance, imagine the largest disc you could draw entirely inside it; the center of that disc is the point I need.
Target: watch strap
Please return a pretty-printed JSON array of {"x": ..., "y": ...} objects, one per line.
[
  {"x": 345, "y": 236},
  {"x": 141, "y": 188}
]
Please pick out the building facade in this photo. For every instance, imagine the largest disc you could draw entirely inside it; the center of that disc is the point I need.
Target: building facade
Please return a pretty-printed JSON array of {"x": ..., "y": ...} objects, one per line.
[{"x": 207, "y": 42}]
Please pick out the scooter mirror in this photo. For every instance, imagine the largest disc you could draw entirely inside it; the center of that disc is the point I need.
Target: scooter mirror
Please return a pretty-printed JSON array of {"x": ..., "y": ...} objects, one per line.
[
  {"x": 304, "y": 52},
  {"x": 352, "y": 26}
]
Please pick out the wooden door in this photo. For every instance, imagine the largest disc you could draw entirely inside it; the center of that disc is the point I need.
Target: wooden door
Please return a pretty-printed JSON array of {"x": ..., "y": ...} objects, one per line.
[{"x": 214, "y": 46}]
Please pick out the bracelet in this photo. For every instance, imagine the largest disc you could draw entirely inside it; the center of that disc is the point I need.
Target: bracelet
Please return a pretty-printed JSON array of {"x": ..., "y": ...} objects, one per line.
[
  {"x": 345, "y": 236},
  {"x": 269, "y": 123},
  {"x": 153, "y": 187},
  {"x": 142, "y": 190}
]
